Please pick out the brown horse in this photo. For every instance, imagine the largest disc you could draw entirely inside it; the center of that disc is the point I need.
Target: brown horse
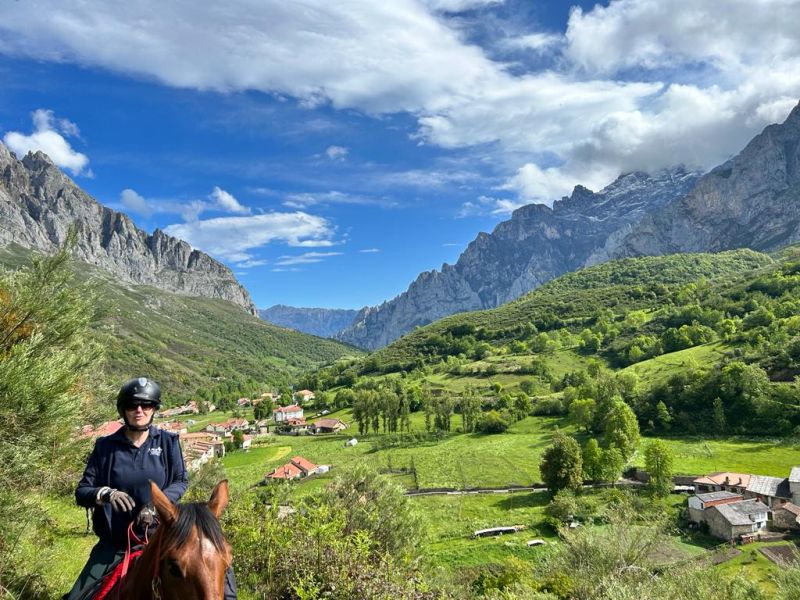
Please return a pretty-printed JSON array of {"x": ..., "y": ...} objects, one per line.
[{"x": 188, "y": 556}]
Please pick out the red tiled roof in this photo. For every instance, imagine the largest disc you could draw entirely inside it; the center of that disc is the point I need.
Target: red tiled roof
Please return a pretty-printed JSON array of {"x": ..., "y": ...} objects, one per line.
[
  {"x": 304, "y": 464},
  {"x": 734, "y": 479},
  {"x": 287, "y": 471},
  {"x": 792, "y": 508},
  {"x": 101, "y": 430},
  {"x": 329, "y": 423},
  {"x": 292, "y": 408}
]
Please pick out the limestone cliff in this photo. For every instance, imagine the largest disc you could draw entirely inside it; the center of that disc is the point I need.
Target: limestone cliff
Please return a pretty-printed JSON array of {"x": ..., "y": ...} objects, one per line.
[
  {"x": 752, "y": 201},
  {"x": 537, "y": 244},
  {"x": 39, "y": 203}
]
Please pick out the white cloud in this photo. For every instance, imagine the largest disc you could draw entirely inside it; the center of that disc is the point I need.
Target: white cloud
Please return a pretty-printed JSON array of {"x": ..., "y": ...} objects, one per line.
[
  {"x": 134, "y": 202},
  {"x": 306, "y": 199},
  {"x": 543, "y": 186},
  {"x": 234, "y": 238},
  {"x": 189, "y": 210},
  {"x": 369, "y": 250},
  {"x": 336, "y": 152},
  {"x": 459, "y": 5},
  {"x": 668, "y": 33},
  {"x": 305, "y": 259},
  {"x": 488, "y": 206},
  {"x": 227, "y": 202},
  {"x": 376, "y": 56},
  {"x": 637, "y": 84},
  {"x": 538, "y": 42},
  {"x": 48, "y": 137}
]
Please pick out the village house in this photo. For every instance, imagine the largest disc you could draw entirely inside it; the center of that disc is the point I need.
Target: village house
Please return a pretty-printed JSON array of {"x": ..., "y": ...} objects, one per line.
[
  {"x": 699, "y": 503},
  {"x": 173, "y": 426},
  {"x": 197, "y": 455},
  {"x": 794, "y": 485},
  {"x": 722, "y": 482},
  {"x": 772, "y": 491},
  {"x": 187, "y": 409},
  {"x": 294, "y": 426},
  {"x": 304, "y": 396},
  {"x": 189, "y": 439},
  {"x": 244, "y": 402},
  {"x": 102, "y": 430},
  {"x": 737, "y": 520},
  {"x": 786, "y": 516},
  {"x": 297, "y": 468},
  {"x": 329, "y": 426},
  {"x": 284, "y": 413},
  {"x": 229, "y": 426}
]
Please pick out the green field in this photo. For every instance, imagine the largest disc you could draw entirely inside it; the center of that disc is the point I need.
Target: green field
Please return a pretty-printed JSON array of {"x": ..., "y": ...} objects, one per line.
[
  {"x": 464, "y": 461},
  {"x": 658, "y": 369}
]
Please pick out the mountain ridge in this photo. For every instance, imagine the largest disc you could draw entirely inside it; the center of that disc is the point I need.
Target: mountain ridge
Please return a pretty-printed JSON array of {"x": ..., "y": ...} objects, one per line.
[
  {"x": 537, "y": 244},
  {"x": 322, "y": 322},
  {"x": 39, "y": 204}
]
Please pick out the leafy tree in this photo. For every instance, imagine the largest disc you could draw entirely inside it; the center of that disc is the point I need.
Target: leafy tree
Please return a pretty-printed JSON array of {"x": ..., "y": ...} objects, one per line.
[
  {"x": 663, "y": 417},
  {"x": 612, "y": 462},
  {"x": 562, "y": 465},
  {"x": 263, "y": 410},
  {"x": 470, "y": 405},
  {"x": 720, "y": 422},
  {"x": 562, "y": 507},
  {"x": 622, "y": 429},
  {"x": 590, "y": 342},
  {"x": 377, "y": 507},
  {"x": 658, "y": 462},
  {"x": 493, "y": 422},
  {"x": 593, "y": 461},
  {"x": 583, "y": 412},
  {"x": 50, "y": 364},
  {"x": 521, "y": 406},
  {"x": 238, "y": 439}
]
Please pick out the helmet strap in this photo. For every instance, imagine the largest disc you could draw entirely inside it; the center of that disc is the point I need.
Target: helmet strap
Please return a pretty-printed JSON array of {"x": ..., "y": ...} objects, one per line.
[{"x": 137, "y": 427}]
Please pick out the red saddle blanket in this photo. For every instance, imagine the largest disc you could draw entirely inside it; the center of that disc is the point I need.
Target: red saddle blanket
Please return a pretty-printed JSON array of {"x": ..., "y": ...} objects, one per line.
[{"x": 115, "y": 576}]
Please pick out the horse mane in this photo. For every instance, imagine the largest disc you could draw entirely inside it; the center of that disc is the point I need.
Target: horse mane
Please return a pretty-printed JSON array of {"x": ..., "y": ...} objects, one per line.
[{"x": 189, "y": 516}]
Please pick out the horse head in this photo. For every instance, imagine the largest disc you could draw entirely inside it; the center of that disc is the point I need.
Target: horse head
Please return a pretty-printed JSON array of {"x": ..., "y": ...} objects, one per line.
[{"x": 189, "y": 555}]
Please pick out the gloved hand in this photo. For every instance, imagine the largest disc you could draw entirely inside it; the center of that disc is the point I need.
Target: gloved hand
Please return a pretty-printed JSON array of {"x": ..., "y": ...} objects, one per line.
[{"x": 120, "y": 501}]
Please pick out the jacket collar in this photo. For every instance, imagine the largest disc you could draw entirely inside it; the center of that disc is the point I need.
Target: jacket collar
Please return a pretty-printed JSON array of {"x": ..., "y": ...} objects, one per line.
[{"x": 119, "y": 435}]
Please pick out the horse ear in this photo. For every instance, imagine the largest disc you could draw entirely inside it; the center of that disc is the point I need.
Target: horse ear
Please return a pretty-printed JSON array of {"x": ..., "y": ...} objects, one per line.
[
  {"x": 219, "y": 498},
  {"x": 166, "y": 510}
]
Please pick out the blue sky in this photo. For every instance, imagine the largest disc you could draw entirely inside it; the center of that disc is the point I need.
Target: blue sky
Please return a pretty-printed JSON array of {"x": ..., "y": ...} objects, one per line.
[{"x": 330, "y": 152}]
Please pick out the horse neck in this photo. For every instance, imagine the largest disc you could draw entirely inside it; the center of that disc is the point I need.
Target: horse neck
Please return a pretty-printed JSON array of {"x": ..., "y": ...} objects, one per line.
[{"x": 138, "y": 584}]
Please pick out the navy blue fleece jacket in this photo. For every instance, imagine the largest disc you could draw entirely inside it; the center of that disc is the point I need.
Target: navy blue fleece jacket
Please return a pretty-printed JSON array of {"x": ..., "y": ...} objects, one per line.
[{"x": 116, "y": 463}]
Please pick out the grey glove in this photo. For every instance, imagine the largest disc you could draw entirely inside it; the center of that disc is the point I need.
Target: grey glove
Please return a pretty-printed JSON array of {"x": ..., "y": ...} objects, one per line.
[{"x": 119, "y": 501}]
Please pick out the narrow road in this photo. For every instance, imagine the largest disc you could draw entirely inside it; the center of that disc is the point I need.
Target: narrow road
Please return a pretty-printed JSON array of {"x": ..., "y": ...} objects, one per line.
[{"x": 511, "y": 490}]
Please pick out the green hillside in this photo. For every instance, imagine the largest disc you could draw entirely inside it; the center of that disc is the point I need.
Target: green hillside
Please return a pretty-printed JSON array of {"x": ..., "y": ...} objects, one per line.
[
  {"x": 693, "y": 343},
  {"x": 575, "y": 298},
  {"x": 193, "y": 344}
]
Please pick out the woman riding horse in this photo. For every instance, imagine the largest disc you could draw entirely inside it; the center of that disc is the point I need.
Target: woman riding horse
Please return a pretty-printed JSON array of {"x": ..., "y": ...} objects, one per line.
[{"x": 116, "y": 481}]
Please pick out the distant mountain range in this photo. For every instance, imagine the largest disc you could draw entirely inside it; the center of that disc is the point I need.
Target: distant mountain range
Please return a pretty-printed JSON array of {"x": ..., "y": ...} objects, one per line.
[
  {"x": 39, "y": 204},
  {"x": 324, "y": 322},
  {"x": 753, "y": 201}
]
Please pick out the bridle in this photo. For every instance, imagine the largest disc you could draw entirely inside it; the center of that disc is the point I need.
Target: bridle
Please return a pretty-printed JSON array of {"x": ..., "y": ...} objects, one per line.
[{"x": 147, "y": 517}]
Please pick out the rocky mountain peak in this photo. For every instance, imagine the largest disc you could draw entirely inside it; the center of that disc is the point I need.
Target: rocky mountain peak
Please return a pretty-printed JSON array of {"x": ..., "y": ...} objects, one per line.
[
  {"x": 535, "y": 245},
  {"x": 751, "y": 200},
  {"x": 39, "y": 204}
]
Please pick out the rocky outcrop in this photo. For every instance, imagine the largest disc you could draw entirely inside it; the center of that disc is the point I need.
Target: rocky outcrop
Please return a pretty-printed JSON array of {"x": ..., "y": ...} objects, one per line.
[
  {"x": 537, "y": 244},
  {"x": 39, "y": 204},
  {"x": 323, "y": 322},
  {"x": 752, "y": 201}
]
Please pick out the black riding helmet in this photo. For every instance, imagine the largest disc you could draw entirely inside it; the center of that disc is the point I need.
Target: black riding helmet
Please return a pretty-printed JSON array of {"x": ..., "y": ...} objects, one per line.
[{"x": 140, "y": 390}]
